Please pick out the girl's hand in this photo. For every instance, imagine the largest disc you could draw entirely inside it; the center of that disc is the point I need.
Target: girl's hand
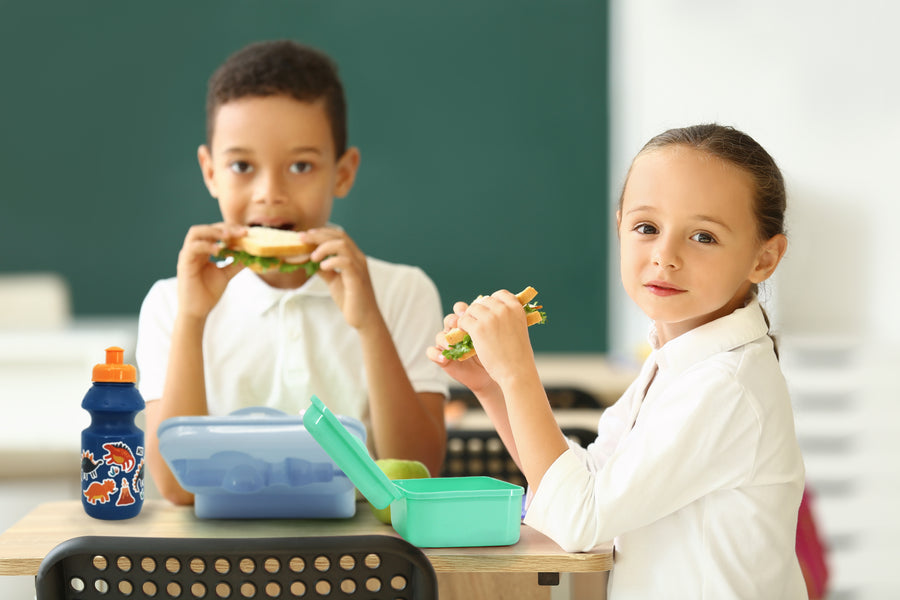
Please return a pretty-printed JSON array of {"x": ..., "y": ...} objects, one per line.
[
  {"x": 499, "y": 332},
  {"x": 469, "y": 372},
  {"x": 343, "y": 267},
  {"x": 200, "y": 282}
]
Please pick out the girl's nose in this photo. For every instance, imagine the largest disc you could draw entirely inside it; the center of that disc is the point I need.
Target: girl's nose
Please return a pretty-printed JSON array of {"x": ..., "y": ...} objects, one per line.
[{"x": 666, "y": 255}]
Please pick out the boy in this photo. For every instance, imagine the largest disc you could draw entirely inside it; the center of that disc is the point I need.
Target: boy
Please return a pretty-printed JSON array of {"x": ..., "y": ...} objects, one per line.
[{"x": 214, "y": 339}]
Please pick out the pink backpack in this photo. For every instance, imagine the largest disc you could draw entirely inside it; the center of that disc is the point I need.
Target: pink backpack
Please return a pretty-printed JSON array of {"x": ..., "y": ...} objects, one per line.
[{"x": 810, "y": 550}]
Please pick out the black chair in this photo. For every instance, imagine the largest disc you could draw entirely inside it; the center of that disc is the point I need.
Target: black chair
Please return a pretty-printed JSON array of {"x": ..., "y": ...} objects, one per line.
[
  {"x": 559, "y": 398},
  {"x": 481, "y": 452},
  {"x": 114, "y": 568}
]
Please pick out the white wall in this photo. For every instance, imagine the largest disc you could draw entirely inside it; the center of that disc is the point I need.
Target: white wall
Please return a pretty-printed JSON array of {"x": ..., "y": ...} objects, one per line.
[{"x": 816, "y": 83}]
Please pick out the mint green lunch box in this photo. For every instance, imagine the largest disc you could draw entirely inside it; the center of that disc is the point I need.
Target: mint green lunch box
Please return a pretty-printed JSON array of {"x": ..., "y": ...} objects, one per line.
[{"x": 431, "y": 513}]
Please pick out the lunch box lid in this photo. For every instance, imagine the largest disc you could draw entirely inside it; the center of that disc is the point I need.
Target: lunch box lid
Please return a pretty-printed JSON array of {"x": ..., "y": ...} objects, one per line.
[{"x": 350, "y": 454}]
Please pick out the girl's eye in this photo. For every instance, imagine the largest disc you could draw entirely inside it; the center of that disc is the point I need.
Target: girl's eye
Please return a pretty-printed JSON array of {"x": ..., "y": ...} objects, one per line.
[
  {"x": 301, "y": 167},
  {"x": 240, "y": 166},
  {"x": 703, "y": 238},
  {"x": 646, "y": 229}
]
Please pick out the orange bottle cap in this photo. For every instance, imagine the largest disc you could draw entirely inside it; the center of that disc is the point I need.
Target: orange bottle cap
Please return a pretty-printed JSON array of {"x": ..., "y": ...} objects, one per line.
[{"x": 114, "y": 370}]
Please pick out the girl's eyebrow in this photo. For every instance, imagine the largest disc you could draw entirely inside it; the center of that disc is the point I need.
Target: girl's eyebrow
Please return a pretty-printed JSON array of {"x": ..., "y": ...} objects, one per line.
[{"x": 704, "y": 218}]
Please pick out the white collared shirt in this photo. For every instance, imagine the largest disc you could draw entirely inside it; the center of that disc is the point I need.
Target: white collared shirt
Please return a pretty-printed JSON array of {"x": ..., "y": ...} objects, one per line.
[
  {"x": 264, "y": 346},
  {"x": 698, "y": 480}
]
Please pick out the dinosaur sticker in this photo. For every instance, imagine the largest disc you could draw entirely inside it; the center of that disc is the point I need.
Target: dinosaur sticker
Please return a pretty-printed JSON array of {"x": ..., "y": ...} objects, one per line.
[
  {"x": 119, "y": 454},
  {"x": 89, "y": 465},
  {"x": 100, "y": 492}
]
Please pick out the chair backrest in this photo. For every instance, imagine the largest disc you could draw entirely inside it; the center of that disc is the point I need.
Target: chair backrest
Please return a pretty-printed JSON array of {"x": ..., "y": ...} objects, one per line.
[
  {"x": 560, "y": 397},
  {"x": 113, "y": 568},
  {"x": 481, "y": 452}
]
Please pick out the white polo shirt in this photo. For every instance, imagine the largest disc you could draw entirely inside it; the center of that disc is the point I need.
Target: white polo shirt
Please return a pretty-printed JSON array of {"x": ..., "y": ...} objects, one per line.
[
  {"x": 698, "y": 481},
  {"x": 264, "y": 346}
]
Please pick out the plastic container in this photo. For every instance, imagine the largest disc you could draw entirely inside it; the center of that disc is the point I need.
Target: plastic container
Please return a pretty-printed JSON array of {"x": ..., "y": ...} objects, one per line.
[
  {"x": 431, "y": 513},
  {"x": 112, "y": 446},
  {"x": 257, "y": 463}
]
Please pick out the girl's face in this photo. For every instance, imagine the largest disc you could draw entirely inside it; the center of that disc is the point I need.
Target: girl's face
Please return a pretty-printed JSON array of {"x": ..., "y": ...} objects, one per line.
[{"x": 689, "y": 244}]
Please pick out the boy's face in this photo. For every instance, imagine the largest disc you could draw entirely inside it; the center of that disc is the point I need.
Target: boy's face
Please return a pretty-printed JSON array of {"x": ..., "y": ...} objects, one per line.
[
  {"x": 271, "y": 162},
  {"x": 690, "y": 250}
]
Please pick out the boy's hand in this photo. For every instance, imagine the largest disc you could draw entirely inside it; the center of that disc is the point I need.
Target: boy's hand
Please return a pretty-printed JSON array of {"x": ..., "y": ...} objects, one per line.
[
  {"x": 200, "y": 282},
  {"x": 343, "y": 267}
]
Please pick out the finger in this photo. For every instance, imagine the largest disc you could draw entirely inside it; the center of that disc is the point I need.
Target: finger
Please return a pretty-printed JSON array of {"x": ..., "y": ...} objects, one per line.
[
  {"x": 450, "y": 322},
  {"x": 460, "y": 308},
  {"x": 436, "y": 355}
]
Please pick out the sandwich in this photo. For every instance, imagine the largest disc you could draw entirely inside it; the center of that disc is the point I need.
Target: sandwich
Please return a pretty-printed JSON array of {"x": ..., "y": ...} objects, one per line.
[
  {"x": 268, "y": 250},
  {"x": 460, "y": 344}
]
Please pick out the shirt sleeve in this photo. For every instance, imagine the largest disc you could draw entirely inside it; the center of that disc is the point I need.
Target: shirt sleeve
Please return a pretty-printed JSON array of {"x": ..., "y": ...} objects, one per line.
[
  {"x": 413, "y": 315},
  {"x": 155, "y": 338},
  {"x": 700, "y": 435}
]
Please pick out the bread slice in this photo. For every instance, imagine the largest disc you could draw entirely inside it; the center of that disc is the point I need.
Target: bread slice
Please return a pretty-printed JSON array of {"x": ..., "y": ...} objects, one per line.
[
  {"x": 456, "y": 335},
  {"x": 268, "y": 242}
]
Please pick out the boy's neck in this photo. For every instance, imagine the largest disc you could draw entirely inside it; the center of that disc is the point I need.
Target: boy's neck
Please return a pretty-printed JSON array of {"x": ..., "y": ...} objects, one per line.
[{"x": 285, "y": 281}]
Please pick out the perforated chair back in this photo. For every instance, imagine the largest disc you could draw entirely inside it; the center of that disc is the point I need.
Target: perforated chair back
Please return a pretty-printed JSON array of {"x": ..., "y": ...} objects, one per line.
[
  {"x": 114, "y": 568},
  {"x": 481, "y": 452}
]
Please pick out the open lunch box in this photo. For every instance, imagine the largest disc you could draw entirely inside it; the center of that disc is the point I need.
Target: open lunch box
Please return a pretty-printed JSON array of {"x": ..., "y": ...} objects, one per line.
[
  {"x": 257, "y": 462},
  {"x": 431, "y": 513}
]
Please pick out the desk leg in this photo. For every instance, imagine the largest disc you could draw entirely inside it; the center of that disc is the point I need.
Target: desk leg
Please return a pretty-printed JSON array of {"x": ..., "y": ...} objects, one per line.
[
  {"x": 589, "y": 586},
  {"x": 491, "y": 586}
]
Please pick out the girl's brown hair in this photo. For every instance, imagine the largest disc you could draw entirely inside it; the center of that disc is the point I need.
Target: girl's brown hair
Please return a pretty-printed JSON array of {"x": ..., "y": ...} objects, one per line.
[{"x": 739, "y": 149}]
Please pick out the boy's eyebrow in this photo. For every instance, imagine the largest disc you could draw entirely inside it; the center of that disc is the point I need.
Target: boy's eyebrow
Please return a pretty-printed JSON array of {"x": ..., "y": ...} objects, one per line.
[{"x": 297, "y": 150}]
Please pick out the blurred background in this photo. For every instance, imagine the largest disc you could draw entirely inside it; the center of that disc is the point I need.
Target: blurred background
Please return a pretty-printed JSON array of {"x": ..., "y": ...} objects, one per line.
[{"x": 495, "y": 137}]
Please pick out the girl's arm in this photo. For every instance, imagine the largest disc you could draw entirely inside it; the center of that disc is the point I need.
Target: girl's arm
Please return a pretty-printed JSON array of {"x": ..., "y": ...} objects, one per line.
[{"x": 504, "y": 378}]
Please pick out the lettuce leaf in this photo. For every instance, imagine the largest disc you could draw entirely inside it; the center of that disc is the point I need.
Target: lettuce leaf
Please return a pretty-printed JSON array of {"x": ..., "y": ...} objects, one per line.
[
  {"x": 268, "y": 262},
  {"x": 455, "y": 351}
]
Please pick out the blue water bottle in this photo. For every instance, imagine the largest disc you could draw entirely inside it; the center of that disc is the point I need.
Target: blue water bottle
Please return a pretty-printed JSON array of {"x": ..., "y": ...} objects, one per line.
[{"x": 112, "y": 447}]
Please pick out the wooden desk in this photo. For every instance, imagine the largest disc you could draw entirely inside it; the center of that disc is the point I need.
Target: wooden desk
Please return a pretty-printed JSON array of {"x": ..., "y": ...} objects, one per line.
[{"x": 24, "y": 545}]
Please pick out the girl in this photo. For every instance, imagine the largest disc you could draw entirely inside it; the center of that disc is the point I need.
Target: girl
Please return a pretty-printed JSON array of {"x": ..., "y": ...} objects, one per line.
[{"x": 696, "y": 472}]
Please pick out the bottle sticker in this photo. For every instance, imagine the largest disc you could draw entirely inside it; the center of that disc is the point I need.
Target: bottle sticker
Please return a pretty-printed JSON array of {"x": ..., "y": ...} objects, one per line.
[
  {"x": 100, "y": 492},
  {"x": 118, "y": 453},
  {"x": 89, "y": 465}
]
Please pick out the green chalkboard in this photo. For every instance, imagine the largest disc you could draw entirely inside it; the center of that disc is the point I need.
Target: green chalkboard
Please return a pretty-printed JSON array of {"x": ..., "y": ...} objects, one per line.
[{"x": 482, "y": 126}]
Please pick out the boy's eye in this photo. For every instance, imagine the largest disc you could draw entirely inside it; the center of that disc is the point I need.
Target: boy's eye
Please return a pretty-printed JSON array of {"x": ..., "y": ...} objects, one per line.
[
  {"x": 240, "y": 166},
  {"x": 703, "y": 238},
  {"x": 301, "y": 167},
  {"x": 646, "y": 229}
]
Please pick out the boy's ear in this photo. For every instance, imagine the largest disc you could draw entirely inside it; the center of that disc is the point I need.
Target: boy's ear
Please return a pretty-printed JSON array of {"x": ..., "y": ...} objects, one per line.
[
  {"x": 770, "y": 254},
  {"x": 346, "y": 172},
  {"x": 204, "y": 157}
]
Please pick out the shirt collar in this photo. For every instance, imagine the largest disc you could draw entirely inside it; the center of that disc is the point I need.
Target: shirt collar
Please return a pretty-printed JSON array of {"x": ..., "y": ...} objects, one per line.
[
  {"x": 726, "y": 333},
  {"x": 258, "y": 296}
]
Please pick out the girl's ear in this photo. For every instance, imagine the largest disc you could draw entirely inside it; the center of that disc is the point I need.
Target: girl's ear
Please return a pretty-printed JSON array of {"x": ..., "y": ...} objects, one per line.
[
  {"x": 346, "y": 172},
  {"x": 204, "y": 157},
  {"x": 770, "y": 254}
]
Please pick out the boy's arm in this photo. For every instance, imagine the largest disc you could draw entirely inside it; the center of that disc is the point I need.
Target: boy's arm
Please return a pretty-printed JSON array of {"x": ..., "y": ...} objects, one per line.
[
  {"x": 184, "y": 394},
  {"x": 200, "y": 285},
  {"x": 405, "y": 424}
]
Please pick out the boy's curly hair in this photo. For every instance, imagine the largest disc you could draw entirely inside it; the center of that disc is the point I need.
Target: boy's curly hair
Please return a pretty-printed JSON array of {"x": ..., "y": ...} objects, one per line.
[{"x": 280, "y": 67}]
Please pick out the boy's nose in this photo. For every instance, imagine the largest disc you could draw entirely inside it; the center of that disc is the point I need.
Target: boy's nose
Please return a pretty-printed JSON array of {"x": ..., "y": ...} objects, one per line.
[{"x": 269, "y": 189}]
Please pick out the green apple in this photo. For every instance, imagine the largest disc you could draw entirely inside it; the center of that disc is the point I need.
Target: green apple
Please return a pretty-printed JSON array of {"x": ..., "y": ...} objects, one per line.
[{"x": 396, "y": 468}]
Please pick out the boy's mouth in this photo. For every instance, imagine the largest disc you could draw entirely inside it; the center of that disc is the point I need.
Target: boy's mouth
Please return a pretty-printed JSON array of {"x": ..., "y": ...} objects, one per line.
[{"x": 272, "y": 225}]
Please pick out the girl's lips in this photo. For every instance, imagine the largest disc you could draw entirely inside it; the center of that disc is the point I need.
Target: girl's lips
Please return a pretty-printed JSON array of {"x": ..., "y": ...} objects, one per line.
[{"x": 661, "y": 288}]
